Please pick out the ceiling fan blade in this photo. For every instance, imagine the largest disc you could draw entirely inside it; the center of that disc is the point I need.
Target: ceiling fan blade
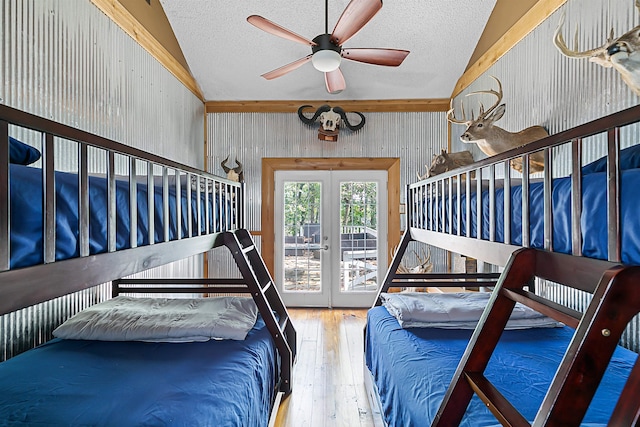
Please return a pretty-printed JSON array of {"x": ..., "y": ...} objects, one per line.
[
  {"x": 335, "y": 81},
  {"x": 278, "y": 72},
  {"x": 277, "y": 30},
  {"x": 355, "y": 16},
  {"x": 388, "y": 57}
]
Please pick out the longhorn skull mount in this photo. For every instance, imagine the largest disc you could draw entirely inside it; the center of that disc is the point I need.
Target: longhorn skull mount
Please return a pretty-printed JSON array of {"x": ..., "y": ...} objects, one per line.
[
  {"x": 331, "y": 118},
  {"x": 234, "y": 174}
]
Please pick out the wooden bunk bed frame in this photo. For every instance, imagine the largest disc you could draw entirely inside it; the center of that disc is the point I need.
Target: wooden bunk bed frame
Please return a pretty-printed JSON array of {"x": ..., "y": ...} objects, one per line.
[
  {"x": 429, "y": 229},
  {"x": 615, "y": 300},
  {"x": 598, "y": 332},
  {"x": 28, "y": 286}
]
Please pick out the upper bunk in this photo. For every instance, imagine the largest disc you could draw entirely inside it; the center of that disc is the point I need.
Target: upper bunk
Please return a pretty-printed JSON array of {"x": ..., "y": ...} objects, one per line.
[
  {"x": 573, "y": 207},
  {"x": 62, "y": 231}
]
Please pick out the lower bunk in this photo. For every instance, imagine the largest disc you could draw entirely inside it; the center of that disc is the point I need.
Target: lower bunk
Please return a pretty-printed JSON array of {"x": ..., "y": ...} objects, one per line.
[
  {"x": 119, "y": 383},
  {"x": 139, "y": 358},
  {"x": 422, "y": 371}
]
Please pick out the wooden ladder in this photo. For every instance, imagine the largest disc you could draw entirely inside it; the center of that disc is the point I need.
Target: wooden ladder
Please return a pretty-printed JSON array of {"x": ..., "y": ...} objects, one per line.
[
  {"x": 615, "y": 302},
  {"x": 265, "y": 294}
]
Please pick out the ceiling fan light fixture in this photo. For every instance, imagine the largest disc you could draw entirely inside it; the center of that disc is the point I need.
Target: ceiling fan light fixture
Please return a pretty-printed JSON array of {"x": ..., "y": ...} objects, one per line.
[{"x": 326, "y": 60}]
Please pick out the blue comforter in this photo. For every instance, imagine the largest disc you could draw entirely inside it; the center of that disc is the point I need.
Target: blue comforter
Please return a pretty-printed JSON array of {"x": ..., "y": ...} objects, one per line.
[
  {"x": 593, "y": 219},
  {"x": 27, "y": 217},
  {"x": 412, "y": 369},
  {"x": 99, "y": 383}
]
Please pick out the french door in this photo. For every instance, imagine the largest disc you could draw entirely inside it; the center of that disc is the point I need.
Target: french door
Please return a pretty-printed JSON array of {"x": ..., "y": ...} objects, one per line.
[{"x": 330, "y": 236}]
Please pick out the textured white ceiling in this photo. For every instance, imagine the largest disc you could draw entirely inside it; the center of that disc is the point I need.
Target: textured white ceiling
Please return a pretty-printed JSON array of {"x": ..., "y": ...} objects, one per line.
[{"x": 227, "y": 55}]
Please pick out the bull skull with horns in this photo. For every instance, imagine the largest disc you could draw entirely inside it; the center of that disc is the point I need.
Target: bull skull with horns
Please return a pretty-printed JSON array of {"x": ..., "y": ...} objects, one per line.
[
  {"x": 331, "y": 118},
  {"x": 234, "y": 174},
  {"x": 622, "y": 54}
]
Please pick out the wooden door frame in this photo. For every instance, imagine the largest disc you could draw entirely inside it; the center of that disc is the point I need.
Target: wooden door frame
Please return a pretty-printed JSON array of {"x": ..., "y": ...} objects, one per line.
[{"x": 273, "y": 164}]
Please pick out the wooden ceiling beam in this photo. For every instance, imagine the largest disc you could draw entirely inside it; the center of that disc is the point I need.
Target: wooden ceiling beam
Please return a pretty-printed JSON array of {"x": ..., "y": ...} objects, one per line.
[
  {"x": 130, "y": 25},
  {"x": 529, "y": 21},
  {"x": 364, "y": 106}
]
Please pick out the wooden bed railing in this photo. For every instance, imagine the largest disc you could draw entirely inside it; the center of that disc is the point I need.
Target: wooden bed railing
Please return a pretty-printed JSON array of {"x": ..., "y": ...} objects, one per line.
[
  {"x": 431, "y": 192},
  {"x": 615, "y": 302},
  {"x": 30, "y": 285}
]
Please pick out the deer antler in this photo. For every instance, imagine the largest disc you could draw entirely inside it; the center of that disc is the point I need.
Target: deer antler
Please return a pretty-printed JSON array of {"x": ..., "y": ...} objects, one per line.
[
  {"x": 424, "y": 260},
  {"x": 558, "y": 40},
  {"x": 451, "y": 114},
  {"x": 498, "y": 95},
  {"x": 482, "y": 114}
]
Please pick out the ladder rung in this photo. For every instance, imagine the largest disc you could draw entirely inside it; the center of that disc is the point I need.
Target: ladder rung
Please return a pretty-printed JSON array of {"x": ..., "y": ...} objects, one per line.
[
  {"x": 501, "y": 408},
  {"x": 284, "y": 320},
  {"x": 248, "y": 249},
  {"x": 267, "y": 286}
]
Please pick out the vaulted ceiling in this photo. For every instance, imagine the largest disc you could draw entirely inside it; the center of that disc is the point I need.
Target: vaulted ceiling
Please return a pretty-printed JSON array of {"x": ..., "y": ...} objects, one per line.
[{"x": 226, "y": 55}]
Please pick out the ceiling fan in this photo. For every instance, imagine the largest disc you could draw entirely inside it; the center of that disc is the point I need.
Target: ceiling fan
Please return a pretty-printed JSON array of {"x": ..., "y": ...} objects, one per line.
[{"x": 327, "y": 50}]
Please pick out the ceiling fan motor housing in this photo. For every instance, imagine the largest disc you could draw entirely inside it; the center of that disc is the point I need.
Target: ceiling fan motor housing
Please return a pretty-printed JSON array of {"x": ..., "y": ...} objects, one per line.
[{"x": 323, "y": 42}]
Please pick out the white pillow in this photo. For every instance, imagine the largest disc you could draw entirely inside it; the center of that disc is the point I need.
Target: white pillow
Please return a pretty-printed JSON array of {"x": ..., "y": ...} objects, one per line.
[
  {"x": 162, "y": 320},
  {"x": 455, "y": 310}
]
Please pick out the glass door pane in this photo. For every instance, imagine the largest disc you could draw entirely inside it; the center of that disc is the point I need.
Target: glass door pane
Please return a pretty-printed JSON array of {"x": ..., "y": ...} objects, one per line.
[
  {"x": 301, "y": 237},
  {"x": 358, "y": 236},
  {"x": 301, "y": 249}
]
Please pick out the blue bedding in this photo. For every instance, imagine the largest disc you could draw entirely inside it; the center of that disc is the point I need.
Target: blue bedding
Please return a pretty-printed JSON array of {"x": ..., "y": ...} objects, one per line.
[
  {"x": 593, "y": 220},
  {"x": 72, "y": 383},
  {"x": 412, "y": 369},
  {"x": 26, "y": 215}
]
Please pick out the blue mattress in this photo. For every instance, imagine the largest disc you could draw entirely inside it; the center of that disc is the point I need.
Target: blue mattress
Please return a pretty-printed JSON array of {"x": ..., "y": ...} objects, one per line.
[
  {"x": 412, "y": 369},
  {"x": 26, "y": 215},
  {"x": 593, "y": 220},
  {"x": 69, "y": 382}
]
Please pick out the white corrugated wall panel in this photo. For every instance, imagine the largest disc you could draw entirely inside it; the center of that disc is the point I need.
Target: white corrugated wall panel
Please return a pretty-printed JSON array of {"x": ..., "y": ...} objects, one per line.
[
  {"x": 249, "y": 137},
  {"x": 543, "y": 87},
  {"x": 67, "y": 61}
]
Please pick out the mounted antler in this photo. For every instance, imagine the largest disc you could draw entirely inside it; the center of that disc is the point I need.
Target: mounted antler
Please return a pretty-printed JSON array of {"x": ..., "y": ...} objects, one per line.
[
  {"x": 345, "y": 119},
  {"x": 423, "y": 265},
  {"x": 492, "y": 139},
  {"x": 312, "y": 121},
  {"x": 622, "y": 54},
  {"x": 234, "y": 174},
  {"x": 330, "y": 120}
]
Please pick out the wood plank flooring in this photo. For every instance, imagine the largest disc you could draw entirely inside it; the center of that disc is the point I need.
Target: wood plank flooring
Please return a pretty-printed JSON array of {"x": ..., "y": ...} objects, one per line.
[{"x": 328, "y": 387}]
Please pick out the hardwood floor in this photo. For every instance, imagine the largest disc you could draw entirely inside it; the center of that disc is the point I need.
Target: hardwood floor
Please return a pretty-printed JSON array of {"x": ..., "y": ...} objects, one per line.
[{"x": 328, "y": 387}]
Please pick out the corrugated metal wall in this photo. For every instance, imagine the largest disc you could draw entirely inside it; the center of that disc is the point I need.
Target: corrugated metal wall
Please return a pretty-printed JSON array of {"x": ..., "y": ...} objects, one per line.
[
  {"x": 249, "y": 137},
  {"x": 543, "y": 87},
  {"x": 67, "y": 61}
]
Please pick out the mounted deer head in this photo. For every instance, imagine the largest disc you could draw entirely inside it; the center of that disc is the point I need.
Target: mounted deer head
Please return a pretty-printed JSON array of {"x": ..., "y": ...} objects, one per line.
[
  {"x": 423, "y": 265},
  {"x": 444, "y": 162},
  {"x": 493, "y": 139},
  {"x": 622, "y": 54}
]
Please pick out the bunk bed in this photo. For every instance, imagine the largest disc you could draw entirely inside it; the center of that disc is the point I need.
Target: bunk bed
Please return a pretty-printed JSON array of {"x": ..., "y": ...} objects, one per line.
[
  {"x": 65, "y": 231},
  {"x": 574, "y": 232}
]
